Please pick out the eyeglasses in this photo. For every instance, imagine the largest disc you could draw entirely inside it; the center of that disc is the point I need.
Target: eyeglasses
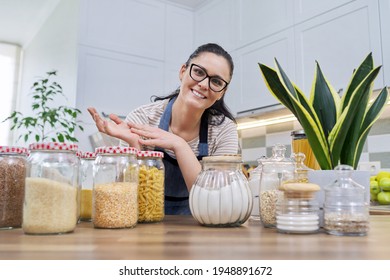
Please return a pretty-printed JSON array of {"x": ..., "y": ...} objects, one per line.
[{"x": 198, "y": 74}]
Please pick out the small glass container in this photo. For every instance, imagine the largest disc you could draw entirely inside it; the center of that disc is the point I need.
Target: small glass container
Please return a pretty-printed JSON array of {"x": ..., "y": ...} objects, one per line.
[
  {"x": 12, "y": 181},
  {"x": 115, "y": 187},
  {"x": 52, "y": 188},
  {"x": 276, "y": 170},
  {"x": 86, "y": 181},
  {"x": 300, "y": 144},
  {"x": 346, "y": 211},
  {"x": 298, "y": 210},
  {"x": 220, "y": 196},
  {"x": 150, "y": 187},
  {"x": 254, "y": 185}
]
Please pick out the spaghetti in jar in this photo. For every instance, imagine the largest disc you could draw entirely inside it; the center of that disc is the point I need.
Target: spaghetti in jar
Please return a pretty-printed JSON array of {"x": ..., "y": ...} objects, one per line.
[{"x": 300, "y": 144}]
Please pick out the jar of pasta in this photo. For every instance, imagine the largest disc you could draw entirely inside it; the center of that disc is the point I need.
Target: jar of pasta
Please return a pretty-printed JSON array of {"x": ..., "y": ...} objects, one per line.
[
  {"x": 115, "y": 187},
  {"x": 12, "y": 180},
  {"x": 86, "y": 181},
  {"x": 150, "y": 187},
  {"x": 300, "y": 144},
  {"x": 51, "y": 190}
]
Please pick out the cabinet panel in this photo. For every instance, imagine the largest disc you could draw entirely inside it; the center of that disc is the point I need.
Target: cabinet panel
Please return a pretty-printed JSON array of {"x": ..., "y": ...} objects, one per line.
[
  {"x": 214, "y": 23},
  {"x": 259, "y": 18},
  {"x": 305, "y": 9},
  {"x": 115, "y": 83},
  {"x": 129, "y": 26},
  {"x": 384, "y": 8},
  {"x": 250, "y": 89},
  {"x": 339, "y": 41}
]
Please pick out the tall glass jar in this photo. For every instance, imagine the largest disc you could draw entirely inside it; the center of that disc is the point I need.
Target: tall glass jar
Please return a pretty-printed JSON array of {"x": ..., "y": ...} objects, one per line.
[
  {"x": 115, "y": 187},
  {"x": 51, "y": 192},
  {"x": 12, "y": 181},
  {"x": 276, "y": 170},
  {"x": 254, "y": 185},
  {"x": 220, "y": 196},
  {"x": 346, "y": 211},
  {"x": 150, "y": 187},
  {"x": 86, "y": 181},
  {"x": 300, "y": 144}
]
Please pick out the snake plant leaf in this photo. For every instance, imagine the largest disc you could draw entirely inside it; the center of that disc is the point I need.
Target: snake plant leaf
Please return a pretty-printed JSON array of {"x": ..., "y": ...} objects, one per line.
[
  {"x": 324, "y": 101},
  {"x": 340, "y": 131},
  {"x": 371, "y": 117},
  {"x": 309, "y": 124},
  {"x": 361, "y": 72}
]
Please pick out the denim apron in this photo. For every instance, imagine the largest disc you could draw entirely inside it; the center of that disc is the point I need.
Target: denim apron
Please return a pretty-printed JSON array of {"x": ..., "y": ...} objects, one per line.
[{"x": 176, "y": 192}]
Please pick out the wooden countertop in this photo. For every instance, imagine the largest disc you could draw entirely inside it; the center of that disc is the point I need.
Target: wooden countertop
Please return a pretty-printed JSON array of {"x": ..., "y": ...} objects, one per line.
[{"x": 180, "y": 237}]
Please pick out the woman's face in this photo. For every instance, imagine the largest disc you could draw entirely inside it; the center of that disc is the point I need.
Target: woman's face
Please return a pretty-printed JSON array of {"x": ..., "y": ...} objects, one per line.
[{"x": 199, "y": 94}]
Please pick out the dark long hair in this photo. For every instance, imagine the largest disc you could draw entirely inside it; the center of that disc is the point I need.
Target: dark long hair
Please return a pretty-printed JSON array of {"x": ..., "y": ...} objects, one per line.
[{"x": 219, "y": 108}]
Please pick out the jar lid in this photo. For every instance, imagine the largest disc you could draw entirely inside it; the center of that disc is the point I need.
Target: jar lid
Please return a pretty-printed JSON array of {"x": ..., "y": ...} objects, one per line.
[
  {"x": 299, "y": 132},
  {"x": 13, "y": 150},
  {"x": 224, "y": 158},
  {"x": 116, "y": 150},
  {"x": 88, "y": 155},
  {"x": 150, "y": 154},
  {"x": 53, "y": 146}
]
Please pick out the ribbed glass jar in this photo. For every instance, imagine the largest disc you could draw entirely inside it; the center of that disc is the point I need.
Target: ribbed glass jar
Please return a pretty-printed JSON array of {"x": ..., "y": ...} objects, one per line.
[
  {"x": 12, "y": 181},
  {"x": 115, "y": 187},
  {"x": 150, "y": 187},
  {"x": 86, "y": 181},
  {"x": 51, "y": 203},
  {"x": 220, "y": 196},
  {"x": 346, "y": 211}
]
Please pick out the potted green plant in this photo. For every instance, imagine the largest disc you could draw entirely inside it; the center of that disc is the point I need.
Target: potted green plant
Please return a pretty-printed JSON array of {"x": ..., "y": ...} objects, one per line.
[
  {"x": 56, "y": 124},
  {"x": 336, "y": 127}
]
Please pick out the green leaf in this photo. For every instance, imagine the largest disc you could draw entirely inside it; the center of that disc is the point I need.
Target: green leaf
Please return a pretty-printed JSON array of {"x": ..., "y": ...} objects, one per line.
[
  {"x": 37, "y": 137},
  {"x": 60, "y": 137}
]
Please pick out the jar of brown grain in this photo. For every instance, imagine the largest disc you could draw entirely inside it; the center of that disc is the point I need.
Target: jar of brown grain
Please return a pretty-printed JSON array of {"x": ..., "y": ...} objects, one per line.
[
  {"x": 12, "y": 180},
  {"x": 115, "y": 187}
]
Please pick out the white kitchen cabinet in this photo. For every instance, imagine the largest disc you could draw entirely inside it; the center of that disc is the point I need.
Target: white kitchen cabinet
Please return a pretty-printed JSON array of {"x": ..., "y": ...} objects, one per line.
[
  {"x": 339, "y": 40},
  {"x": 384, "y": 8},
  {"x": 260, "y": 18},
  {"x": 249, "y": 90}
]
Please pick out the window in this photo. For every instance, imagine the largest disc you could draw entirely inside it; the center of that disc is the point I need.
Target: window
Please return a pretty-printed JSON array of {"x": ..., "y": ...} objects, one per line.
[{"x": 9, "y": 70}]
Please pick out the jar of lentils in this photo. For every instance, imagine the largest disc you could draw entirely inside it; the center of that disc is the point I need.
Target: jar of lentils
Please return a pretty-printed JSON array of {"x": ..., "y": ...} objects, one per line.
[
  {"x": 150, "y": 187},
  {"x": 51, "y": 203},
  {"x": 12, "y": 181},
  {"x": 115, "y": 187}
]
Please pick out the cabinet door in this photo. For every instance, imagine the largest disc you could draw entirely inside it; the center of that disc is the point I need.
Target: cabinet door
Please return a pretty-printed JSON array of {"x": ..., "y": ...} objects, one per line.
[
  {"x": 249, "y": 90},
  {"x": 339, "y": 40},
  {"x": 384, "y": 8}
]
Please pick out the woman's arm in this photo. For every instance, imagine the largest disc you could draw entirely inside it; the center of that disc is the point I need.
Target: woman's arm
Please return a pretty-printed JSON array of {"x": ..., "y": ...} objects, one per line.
[{"x": 153, "y": 136}]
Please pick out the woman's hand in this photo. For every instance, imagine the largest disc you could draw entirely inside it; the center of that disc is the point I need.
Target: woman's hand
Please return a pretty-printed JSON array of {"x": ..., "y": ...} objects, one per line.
[
  {"x": 156, "y": 137},
  {"x": 116, "y": 128}
]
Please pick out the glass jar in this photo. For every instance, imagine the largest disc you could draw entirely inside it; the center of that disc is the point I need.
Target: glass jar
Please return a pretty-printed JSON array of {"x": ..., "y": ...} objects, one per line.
[
  {"x": 12, "y": 181},
  {"x": 115, "y": 187},
  {"x": 276, "y": 170},
  {"x": 346, "y": 211},
  {"x": 300, "y": 144},
  {"x": 254, "y": 185},
  {"x": 150, "y": 186},
  {"x": 298, "y": 210},
  {"x": 51, "y": 192},
  {"x": 220, "y": 196},
  {"x": 86, "y": 182}
]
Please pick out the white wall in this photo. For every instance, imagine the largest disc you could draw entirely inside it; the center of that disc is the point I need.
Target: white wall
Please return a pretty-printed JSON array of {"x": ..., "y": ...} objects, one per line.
[{"x": 53, "y": 48}]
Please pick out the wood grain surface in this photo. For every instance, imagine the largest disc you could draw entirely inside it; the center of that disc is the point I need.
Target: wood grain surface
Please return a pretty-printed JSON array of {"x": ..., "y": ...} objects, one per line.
[{"x": 181, "y": 237}]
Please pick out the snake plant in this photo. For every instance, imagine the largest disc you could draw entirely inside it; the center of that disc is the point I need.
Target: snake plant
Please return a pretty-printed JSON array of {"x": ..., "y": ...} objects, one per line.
[{"x": 336, "y": 127}]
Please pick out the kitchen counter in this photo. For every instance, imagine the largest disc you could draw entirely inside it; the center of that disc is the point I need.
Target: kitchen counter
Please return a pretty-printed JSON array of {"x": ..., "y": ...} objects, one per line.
[{"x": 181, "y": 237}]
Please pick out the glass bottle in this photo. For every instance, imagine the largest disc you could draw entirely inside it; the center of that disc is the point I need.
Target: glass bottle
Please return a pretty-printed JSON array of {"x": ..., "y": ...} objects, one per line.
[
  {"x": 115, "y": 188},
  {"x": 12, "y": 181},
  {"x": 276, "y": 170},
  {"x": 151, "y": 186},
  {"x": 220, "y": 196},
  {"x": 254, "y": 185},
  {"x": 346, "y": 211},
  {"x": 86, "y": 181},
  {"x": 51, "y": 191}
]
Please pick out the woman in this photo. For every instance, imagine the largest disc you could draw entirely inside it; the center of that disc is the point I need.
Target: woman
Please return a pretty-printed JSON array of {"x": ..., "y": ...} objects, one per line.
[{"x": 186, "y": 125}]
